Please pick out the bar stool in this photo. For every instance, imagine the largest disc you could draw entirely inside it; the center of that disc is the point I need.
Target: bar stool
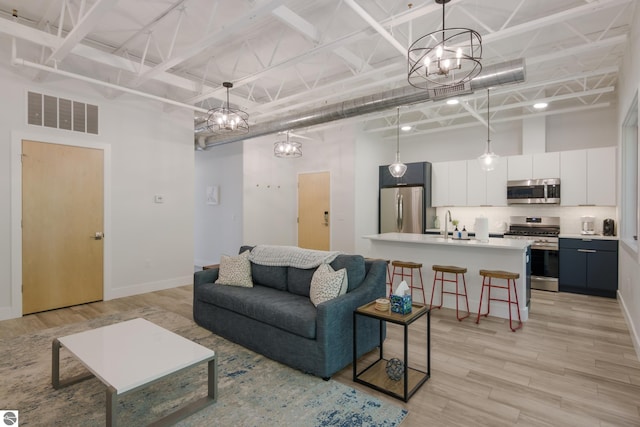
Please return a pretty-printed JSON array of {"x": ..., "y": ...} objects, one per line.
[
  {"x": 511, "y": 279},
  {"x": 442, "y": 269},
  {"x": 411, "y": 266}
]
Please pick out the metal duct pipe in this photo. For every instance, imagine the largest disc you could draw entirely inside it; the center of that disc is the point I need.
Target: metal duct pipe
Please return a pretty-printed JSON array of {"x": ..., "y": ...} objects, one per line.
[{"x": 495, "y": 75}]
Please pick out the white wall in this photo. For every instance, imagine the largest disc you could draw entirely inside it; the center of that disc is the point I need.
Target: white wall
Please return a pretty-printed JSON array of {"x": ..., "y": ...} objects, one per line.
[
  {"x": 270, "y": 187},
  {"x": 629, "y": 272},
  {"x": 150, "y": 245},
  {"x": 218, "y": 228}
]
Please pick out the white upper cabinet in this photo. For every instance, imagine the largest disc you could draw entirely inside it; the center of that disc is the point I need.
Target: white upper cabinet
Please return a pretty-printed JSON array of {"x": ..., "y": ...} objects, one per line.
[
  {"x": 573, "y": 178},
  {"x": 449, "y": 183},
  {"x": 534, "y": 166},
  {"x": 601, "y": 176},
  {"x": 588, "y": 177},
  {"x": 520, "y": 167},
  {"x": 486, "y": 188},
  {"x": 546, "y": 165},
  {"x": 497, "y": 185},
  {"x": 439, "y": 184}
]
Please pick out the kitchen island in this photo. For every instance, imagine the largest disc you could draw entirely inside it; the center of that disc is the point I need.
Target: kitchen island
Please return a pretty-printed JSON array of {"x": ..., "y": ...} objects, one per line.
[{"x": 494, "y": 254}]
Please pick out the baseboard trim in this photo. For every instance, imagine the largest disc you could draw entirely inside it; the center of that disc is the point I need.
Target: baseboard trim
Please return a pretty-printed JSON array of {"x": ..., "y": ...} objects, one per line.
[
  {"x": 635, "y": 337},
  {"x": 143, "y": 288}
]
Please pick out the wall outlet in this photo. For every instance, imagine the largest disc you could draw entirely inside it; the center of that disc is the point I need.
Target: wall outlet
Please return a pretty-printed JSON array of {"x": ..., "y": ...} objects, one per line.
[{"x": 158, "y": 198}]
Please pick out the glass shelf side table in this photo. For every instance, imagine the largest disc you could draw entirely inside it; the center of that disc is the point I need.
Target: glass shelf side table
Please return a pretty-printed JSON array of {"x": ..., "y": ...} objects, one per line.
[{"x": 375, "y": 374}]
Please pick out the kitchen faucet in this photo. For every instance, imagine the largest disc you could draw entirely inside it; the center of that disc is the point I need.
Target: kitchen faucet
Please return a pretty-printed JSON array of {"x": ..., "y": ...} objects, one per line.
[{"x": 446, "y": 223}]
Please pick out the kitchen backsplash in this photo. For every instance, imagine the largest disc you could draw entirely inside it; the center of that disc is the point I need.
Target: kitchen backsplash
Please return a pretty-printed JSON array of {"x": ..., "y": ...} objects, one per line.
[{"x": 499, "y": 216}]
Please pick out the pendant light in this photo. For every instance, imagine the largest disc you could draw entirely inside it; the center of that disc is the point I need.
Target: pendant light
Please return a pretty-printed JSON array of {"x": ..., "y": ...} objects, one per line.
[
  {"x": 397, "y": 169},
  {"x": 227, "y": 120},
  {"x": 489, "y": 160},
  {"x": 445, "y": 58}
]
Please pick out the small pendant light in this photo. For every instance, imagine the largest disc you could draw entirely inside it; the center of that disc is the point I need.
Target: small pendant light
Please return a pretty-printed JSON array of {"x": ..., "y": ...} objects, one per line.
[
  {"x": 397, "y": 169},
  {"x": 489, "y": 160}
]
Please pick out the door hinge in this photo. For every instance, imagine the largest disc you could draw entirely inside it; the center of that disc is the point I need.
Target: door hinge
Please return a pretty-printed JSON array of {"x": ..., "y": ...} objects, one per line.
[{"x": 297, "y": 220}]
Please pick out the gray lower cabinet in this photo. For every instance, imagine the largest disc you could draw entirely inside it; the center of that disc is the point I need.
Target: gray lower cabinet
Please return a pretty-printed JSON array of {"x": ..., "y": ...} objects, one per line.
[{"x": 589, "y": 266}]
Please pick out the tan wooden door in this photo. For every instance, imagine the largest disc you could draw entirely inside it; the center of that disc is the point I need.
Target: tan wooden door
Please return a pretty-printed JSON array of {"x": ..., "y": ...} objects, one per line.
[
  {"x": 314, "y": 220},
  {"x": 62, "y": 210}
]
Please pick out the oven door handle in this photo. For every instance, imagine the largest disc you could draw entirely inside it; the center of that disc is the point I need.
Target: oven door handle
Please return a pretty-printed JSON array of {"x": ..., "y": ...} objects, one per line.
[{"x": 544, "y": 247}]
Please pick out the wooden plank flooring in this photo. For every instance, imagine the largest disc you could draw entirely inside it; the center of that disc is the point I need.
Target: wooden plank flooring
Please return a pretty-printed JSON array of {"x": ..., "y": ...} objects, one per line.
[{"x": 572, "y": 364}]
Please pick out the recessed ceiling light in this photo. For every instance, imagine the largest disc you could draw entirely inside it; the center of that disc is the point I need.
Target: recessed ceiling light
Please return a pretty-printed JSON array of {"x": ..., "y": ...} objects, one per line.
[
  {"x": 453, "y": 101},
  {"x": 406, "y": 128},
  {"x": 540, "y": 105}
]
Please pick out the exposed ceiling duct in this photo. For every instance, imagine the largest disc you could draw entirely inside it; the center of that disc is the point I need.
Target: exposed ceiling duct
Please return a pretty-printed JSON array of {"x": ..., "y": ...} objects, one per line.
[{"x": 495, "y": 75}]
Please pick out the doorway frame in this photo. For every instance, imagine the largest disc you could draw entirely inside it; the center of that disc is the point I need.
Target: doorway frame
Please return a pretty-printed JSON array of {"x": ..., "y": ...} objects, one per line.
[{"x": 16, "y": 206}]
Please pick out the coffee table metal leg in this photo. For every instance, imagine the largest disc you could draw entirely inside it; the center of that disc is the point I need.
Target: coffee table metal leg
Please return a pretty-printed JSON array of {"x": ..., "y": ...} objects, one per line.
[
  {"x": 112, "y": 407},
  {"x": 55, "y": 364},
  {"x": 55, "y": 369},
  {"x": 212, "y": 380}
]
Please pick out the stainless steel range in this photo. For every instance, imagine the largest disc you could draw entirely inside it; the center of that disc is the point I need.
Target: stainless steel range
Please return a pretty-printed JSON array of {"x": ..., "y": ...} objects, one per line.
[{"x": 543, "y": 230}]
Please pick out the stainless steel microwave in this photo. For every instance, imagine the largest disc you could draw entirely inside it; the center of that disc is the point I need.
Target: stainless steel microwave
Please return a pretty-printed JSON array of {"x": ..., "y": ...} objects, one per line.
[{"x": 534, "y": 191}]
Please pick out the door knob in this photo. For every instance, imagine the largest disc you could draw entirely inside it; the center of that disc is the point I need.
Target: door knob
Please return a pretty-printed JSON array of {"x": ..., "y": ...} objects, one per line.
[{"x": 98, "y": 236}]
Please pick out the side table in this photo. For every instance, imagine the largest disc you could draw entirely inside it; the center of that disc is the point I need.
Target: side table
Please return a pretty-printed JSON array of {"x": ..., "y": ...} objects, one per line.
[{"x": 375, "y": 375}]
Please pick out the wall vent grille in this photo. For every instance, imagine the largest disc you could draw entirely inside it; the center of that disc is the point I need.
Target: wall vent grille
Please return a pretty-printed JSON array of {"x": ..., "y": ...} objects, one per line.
[{"x": 60, "y": 113}]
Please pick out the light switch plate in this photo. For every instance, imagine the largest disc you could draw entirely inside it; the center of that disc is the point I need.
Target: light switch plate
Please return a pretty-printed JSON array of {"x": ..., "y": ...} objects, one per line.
[{"x": 158, "y": 198}]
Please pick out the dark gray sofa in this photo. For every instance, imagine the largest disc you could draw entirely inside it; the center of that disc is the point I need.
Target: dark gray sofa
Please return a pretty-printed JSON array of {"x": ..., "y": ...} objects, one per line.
[{"x": 276, "y": 318}]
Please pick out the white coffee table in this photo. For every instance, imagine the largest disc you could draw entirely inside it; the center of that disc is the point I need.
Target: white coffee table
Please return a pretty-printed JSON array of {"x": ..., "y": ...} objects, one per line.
[{"x": 131, "y": 355}]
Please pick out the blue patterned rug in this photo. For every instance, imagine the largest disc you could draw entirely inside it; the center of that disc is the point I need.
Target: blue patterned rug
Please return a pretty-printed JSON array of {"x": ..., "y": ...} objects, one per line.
[{"x": 252, "y": 390}]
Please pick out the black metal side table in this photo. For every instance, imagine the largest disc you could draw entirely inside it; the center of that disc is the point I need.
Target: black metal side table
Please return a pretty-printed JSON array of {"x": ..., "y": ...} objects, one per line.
[{"x": 375, "y": 375}]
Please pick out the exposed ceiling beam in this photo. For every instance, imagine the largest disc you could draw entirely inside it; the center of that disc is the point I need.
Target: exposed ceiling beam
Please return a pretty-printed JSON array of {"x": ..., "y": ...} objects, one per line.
[
  {"x": 557, "y": 18},
  {"x": 84, "y": 26},
  {"x": 239, "y": 25},
  {"x": 376, "y": 26}
]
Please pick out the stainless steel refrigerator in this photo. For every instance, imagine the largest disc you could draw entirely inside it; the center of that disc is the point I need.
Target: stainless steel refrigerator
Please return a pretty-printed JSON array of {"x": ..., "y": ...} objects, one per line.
[{"x": 402, "y": 210}]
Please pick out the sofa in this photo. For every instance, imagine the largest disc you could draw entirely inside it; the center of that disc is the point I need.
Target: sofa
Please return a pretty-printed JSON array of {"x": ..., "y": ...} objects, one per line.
[{"x": 276, "y": 318}]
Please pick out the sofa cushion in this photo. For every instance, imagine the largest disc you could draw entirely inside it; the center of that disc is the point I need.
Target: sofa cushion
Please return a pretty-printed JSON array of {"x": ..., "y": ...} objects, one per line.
[
  {"x": 299, "y": 280},
  {"x": 273, "y": 277},
  {"x": 355, "y": 269},
  {"x": 327, "y": 284},
  {"x": 283, "y": 310},
  {"x": 235, "y": 271}
]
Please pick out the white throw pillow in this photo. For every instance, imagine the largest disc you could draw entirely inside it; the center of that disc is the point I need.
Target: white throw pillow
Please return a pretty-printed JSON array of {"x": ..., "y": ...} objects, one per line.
[
  {"x": 327, "y": 284},
  {"x": 235, "y": 271}
]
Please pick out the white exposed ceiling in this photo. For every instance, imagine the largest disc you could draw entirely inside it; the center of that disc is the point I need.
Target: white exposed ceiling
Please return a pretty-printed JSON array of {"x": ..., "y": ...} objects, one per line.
[{"x": 289, "y": 56}]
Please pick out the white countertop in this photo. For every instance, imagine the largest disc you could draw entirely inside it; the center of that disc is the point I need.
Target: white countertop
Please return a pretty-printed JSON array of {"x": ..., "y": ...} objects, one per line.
[
  {"x": 425, "y": 239},
  {"x": 588, "y": 236}
]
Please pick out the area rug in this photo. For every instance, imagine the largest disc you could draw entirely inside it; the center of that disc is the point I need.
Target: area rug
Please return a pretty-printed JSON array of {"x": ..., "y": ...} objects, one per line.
[{"x": 252, "y": 390}]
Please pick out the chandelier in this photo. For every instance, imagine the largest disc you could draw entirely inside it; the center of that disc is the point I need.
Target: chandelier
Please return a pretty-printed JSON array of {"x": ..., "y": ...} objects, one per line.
[
  {"x": 226, "y": 120},
  {"x": 287, "y": 148},
  {"x": 489, "y": 160},
  {"x": 397, "y": 169},
  {"x": 449, "y": 57}
]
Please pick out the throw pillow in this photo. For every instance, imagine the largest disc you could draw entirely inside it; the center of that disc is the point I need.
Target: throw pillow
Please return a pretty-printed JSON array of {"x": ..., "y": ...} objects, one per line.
[
  {"x": 235, "y": 270},
  {"x": 327, "y": 284}
]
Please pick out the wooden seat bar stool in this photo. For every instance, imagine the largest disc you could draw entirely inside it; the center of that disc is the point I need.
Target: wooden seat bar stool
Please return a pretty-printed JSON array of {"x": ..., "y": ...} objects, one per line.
[
  {"x": 411, "y": 266},
  {"x": 439, "y": 276},
  {"x": 487, "y": 275}
]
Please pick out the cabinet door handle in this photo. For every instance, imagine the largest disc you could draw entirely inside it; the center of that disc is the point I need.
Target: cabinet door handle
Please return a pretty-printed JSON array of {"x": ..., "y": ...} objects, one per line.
[{"x": 587, "y": 250}]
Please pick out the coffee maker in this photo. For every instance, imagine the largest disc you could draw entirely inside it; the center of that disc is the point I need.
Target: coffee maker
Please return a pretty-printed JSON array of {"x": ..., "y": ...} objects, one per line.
[
  {"x": 588, "y": 225},
  {"x": 608, "y": 227}
]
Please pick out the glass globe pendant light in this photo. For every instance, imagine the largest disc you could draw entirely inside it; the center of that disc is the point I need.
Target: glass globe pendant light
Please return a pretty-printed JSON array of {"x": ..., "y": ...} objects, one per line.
[
  {"x": 489, "y": 160},
  {"x": 397, "y": 169}
]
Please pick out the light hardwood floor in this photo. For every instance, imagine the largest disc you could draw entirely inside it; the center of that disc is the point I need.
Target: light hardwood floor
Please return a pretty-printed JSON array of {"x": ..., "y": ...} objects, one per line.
[{"x": 573, "y": 363}]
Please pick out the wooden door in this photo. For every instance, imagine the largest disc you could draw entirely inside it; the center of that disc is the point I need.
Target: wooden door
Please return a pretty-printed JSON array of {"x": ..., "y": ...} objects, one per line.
[
  {"x": 314, "y": 217},
  {"x": 62, "y": 210}
]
